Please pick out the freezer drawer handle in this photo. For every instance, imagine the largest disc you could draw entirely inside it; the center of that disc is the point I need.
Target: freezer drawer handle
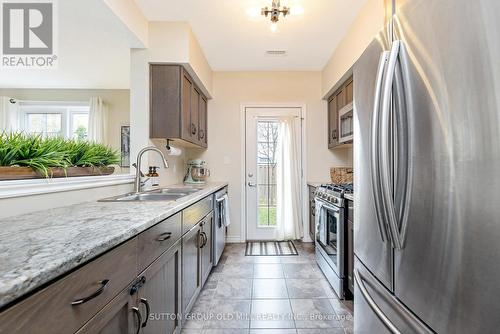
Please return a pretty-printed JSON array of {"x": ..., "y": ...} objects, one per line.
[{"x": 387, "y": 323}]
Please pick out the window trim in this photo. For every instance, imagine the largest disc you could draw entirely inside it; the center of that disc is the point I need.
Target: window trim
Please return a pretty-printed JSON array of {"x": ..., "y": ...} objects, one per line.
[{"x": 21, "y": 188}]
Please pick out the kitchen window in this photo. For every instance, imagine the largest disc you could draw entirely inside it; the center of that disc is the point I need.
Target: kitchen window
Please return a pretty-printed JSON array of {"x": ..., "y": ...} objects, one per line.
[{"x": 68, "y": 120}]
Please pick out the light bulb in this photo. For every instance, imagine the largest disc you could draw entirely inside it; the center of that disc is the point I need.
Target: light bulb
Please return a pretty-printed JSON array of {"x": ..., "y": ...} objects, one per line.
[{"x": 274, "y": 27}]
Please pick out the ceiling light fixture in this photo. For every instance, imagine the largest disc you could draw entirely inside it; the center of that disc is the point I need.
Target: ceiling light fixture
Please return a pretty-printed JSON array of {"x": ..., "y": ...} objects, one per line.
[{"x": 274, "y": 12}]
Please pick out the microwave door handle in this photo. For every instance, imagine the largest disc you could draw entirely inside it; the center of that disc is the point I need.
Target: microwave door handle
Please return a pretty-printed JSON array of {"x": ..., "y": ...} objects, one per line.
[
  {"x": 375, "y": 146},
  {"x": 387, "y": 197}
]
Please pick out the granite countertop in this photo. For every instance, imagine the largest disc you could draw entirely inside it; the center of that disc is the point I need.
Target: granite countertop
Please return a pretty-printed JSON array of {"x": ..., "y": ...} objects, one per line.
[
  {"x": 38, "y": 247},
  {"x": 350, "y": 197}
]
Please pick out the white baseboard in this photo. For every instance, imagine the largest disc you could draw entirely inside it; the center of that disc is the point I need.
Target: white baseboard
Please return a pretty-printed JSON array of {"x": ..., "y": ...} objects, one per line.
[{"x": 233, "y": 239}]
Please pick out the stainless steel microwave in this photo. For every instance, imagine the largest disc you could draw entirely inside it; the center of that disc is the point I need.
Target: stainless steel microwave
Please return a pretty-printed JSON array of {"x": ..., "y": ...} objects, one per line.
[{"x": 346, "y": 123}]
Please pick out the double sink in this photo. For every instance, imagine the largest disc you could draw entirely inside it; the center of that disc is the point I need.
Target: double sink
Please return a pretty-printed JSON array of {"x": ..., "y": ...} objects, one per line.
[{"x": 165, "y": 194}]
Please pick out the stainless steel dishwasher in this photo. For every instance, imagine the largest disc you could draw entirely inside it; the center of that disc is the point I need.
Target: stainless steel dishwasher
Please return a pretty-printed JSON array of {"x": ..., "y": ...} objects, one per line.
[{"x": 220, "y": 229}]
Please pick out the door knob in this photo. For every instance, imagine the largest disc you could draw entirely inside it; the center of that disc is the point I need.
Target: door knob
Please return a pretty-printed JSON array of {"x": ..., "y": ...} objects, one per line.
[{"x": 250, "y": 184}]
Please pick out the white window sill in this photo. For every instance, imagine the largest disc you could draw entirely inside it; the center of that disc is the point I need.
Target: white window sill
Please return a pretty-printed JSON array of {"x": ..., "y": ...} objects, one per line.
[{"x": 19, "y": 188}]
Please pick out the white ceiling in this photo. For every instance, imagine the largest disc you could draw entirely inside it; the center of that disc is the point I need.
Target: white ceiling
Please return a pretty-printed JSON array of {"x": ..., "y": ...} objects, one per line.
[
  {"x": 232, "y": 40},
  {"x": 93, "y": 51}
]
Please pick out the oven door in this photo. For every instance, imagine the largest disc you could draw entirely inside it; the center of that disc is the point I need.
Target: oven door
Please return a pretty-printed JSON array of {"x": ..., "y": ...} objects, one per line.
[
  {"x": 330, "y": 234},
  {"x": 346, "y": 124}
]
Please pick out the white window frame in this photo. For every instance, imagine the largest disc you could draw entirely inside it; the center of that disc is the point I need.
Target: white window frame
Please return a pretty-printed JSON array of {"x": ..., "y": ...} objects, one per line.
[
  {"x": 65, "y": 109},
  {"x": 21, "y": 188}
]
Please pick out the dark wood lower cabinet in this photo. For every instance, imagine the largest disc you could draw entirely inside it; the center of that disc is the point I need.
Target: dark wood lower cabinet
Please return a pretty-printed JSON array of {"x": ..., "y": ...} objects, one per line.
[
  {"x": 160, "y": 293},
  {"x": 207, "y": 260},
  {"x": 191, "y": 282},
  {"x": 197, "y": 260},
  {"x": 121, "y": 315},
  {"x": 143, "y": 286}
]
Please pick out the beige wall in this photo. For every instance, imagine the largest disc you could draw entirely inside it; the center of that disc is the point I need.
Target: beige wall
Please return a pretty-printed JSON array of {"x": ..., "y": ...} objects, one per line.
[
  {"x": 169, "y": 42},
  {"x": 367, "y": 24},
  {"x": 230, "y": 90}
]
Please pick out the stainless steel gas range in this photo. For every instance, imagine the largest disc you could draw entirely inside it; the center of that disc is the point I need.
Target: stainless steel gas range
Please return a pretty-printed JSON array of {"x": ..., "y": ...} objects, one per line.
[{"x": 331, "y": 240}]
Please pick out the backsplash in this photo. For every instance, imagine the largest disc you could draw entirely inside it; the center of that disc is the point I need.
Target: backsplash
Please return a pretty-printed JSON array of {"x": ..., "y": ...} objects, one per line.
[{"x": 341, "y": 174}]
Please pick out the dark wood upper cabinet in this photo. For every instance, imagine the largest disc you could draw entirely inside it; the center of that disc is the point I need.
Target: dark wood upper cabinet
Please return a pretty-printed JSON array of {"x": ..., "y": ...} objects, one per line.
[
  {"x": 349, "y": 91},
  {"x": 178, "y": 108},
  {"x": 185, "y": 112},
  {"x": 203, "y": 133},
  {"x": 342, "y": 97},
  {"x": 333, "y": 139}
]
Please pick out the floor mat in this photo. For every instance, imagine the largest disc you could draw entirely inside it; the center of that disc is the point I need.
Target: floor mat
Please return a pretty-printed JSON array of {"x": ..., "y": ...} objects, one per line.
[{"x": 270, "y": 248}]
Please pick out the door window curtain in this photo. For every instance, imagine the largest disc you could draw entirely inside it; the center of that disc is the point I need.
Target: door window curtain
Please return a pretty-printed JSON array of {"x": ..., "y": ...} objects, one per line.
[
  {"x": 98, "y": 121},
  {"x": 288, "y": 177},
  {"x": 9, "y": 114}
]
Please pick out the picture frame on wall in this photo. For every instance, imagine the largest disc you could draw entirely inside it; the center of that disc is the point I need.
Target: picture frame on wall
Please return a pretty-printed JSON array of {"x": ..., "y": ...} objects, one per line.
[{"x": 125, "y": 146}]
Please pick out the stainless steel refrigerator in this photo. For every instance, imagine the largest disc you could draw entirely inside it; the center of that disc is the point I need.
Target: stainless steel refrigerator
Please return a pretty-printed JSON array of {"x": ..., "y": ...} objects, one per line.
[{"x": 427, "y": 162}]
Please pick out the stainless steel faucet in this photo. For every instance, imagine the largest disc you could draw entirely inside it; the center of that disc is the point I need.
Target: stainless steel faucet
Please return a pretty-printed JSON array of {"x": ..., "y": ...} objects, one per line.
[{"x": 137, "y": 184}]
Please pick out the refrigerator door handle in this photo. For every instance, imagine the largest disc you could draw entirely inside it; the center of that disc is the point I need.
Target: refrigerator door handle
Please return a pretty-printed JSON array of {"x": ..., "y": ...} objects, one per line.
[
  {"x": 375, "y": 146},
  {"x": 390, "y": 210},
  {"x": 373, "y": 305}
]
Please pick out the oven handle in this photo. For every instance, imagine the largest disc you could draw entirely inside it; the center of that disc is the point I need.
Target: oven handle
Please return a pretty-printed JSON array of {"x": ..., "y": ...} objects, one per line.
[{"x": 327, "y": 205}]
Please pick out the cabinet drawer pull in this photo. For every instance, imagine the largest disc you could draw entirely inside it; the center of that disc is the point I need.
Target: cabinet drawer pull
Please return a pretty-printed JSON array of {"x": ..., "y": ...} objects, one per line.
[
  {"x": 138, "y": 317},
  {"x": 193, "y": 129},
  {"x": 92, "y": 296},
  {"x": 164, "y": 236},
  {"x": 148, "y": 311}
]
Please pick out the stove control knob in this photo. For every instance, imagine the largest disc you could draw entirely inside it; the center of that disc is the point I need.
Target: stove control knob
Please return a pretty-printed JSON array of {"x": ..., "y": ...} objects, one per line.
[{"x": 335, "y": 200}]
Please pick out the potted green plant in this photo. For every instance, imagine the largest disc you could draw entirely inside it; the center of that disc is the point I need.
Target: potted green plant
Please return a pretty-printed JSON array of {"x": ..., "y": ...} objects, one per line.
[{"x": 25, "y": 156}]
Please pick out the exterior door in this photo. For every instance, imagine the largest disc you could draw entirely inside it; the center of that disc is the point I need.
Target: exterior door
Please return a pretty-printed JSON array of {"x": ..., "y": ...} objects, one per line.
[
  {"x": 447, "y": 271},
  {"x": 262, "y": 131}
]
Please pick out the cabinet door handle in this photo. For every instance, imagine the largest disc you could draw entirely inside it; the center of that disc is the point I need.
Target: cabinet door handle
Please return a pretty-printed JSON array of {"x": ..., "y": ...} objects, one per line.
[
  {"x": 334, "y": 134},
  {"x": 202, "y": 134},
  {"x": 206, "y": 239},
  {"x": 164, "y": 236},
  {"x": 199, "y": 243},
  {"x": 148, "y": 311},
  {"x": 92, "y": 296},
  {"x": 203, "y": 239},
  {"x": 193, "y": 129},
  {"x": 138, "y": 317},
  {"x": 202, "y": 235}
]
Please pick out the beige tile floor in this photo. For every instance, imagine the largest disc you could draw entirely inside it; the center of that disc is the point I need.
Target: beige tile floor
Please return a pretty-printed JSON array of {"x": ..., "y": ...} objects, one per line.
[{"x": 269, "y": 295}]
